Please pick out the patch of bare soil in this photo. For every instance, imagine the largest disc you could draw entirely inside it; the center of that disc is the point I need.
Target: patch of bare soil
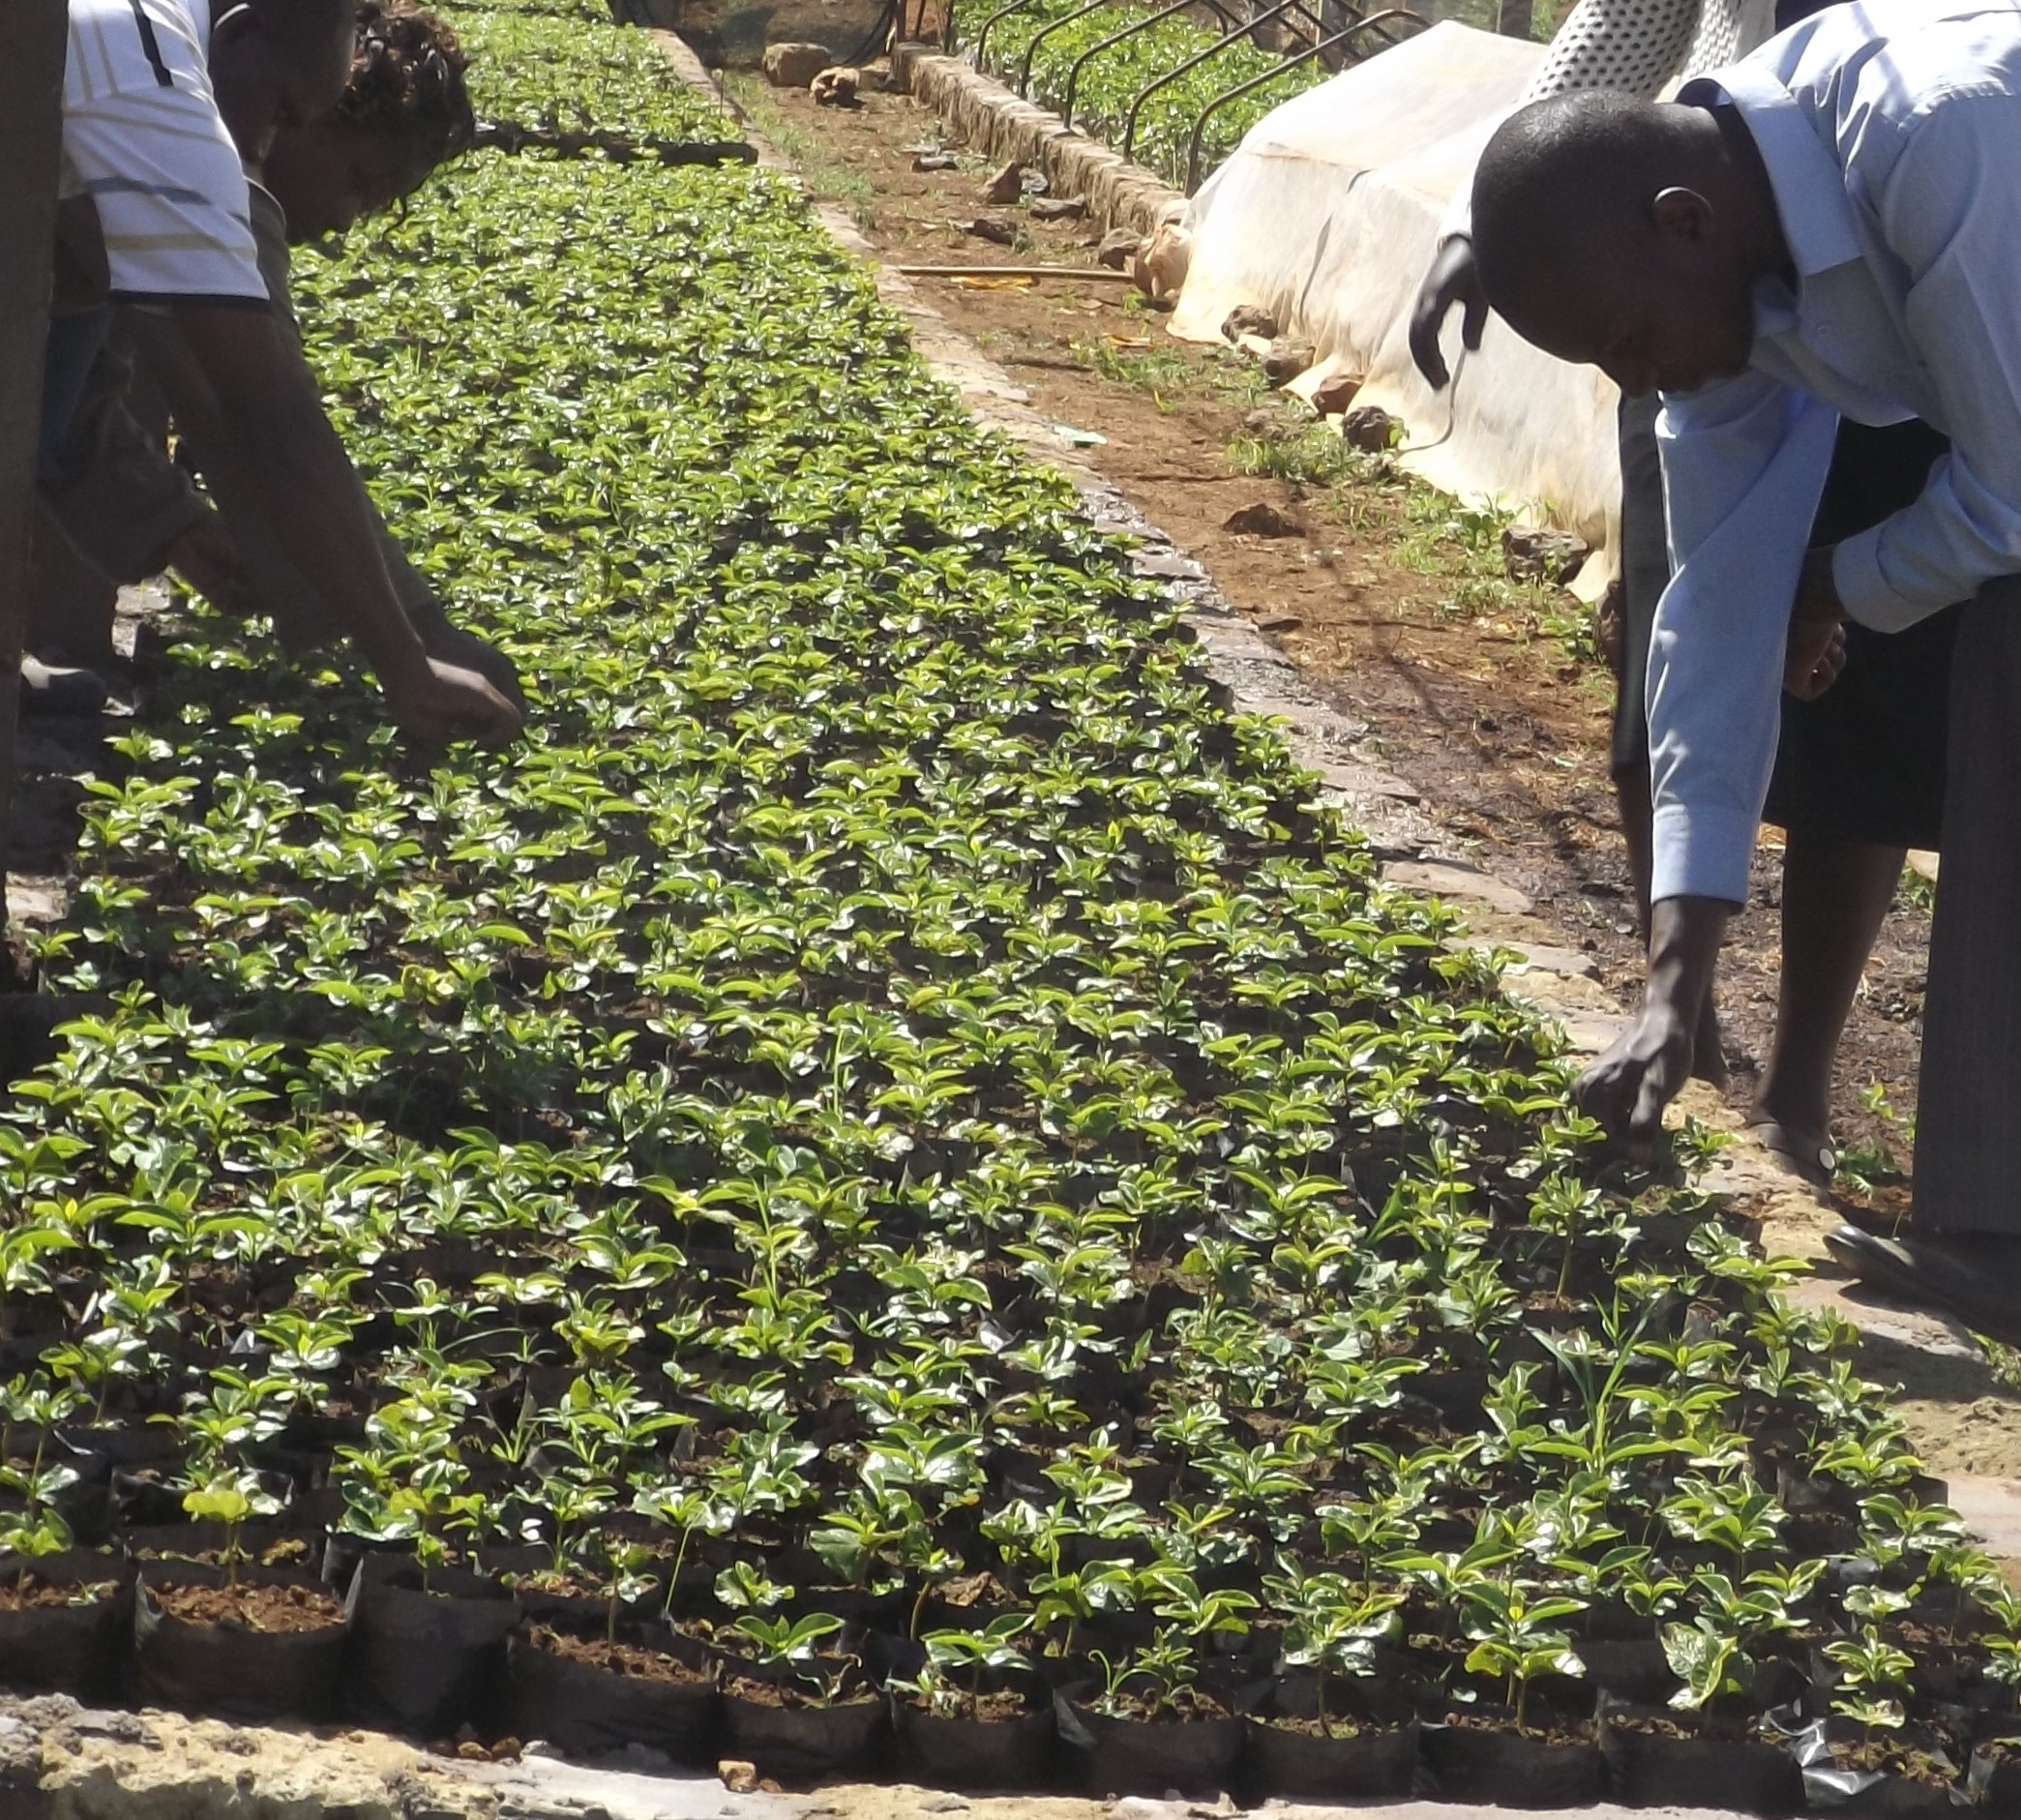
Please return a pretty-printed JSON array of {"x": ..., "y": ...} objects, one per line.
[
  {"x": 1470, "y": 697},
  {"x": 270, "y": 1609}
]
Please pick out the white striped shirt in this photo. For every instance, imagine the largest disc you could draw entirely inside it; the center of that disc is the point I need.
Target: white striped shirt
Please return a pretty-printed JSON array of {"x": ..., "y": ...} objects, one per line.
[{"x": 142, "y": 137}]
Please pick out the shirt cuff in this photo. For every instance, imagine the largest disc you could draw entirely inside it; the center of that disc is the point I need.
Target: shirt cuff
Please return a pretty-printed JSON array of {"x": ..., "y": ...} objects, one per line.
[
  {"x": 1701, "y": 852},
  {"x": 1864, "y": 591}
]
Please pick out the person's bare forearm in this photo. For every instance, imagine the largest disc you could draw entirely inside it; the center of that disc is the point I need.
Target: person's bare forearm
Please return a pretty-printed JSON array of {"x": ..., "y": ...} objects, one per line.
[
  {"x": 1628, "y": 1087},
  {"x": 250, "y": 410},
  {"x": 1684, "y": 938}
]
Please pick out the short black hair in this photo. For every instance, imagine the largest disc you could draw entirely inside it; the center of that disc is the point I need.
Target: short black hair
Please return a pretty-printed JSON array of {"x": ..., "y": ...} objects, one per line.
[
  {"x": 407, "y": 78},
  {"x": 1562, "y": 181}
]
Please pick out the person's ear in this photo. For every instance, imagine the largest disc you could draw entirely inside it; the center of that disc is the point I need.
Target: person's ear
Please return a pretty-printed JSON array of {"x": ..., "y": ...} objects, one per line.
[{"x": 1681, "y": 215}]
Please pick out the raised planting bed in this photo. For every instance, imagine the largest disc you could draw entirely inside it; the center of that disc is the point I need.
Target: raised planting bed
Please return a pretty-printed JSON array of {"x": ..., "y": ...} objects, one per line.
[{"x": 889, "y": 1168}]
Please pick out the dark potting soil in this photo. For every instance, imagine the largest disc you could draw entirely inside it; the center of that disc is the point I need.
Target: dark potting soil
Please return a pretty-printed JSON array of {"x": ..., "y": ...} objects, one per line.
[
  {"x": 30, "y": 1594},
  {"x": 786, "y": 1694},
  {"x": 989, "y": 1709},
  {"x": 273, "y": 1610},
  {"x": 1183, "y": 1703},
  {"x": 614, "y": 1658},
  {"x": 1337, "y": 1729},
  {"x": 1541, "y": 1727},
  {"x": 1895, "y": 1757}
]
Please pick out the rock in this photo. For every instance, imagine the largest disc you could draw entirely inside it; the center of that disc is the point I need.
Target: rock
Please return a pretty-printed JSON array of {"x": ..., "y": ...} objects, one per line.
[
  {"x": 1007, "y": 185},
  {"x": 1264, "y": 520},
  {"x": 1287, "y": 359},
  {"x": 1118, "y": 248},
  {"x": 1371, "y": 428},
  {"x": 1279, "y": 622},
  {"x": 1335, "y": 397},
  {"x": 1611, "y": 626},
  {"x": 739, "y": 1777},
  {"x": 1455, "y": 878},
  {"x": 986, "y": 227},
  {"x": 795, "y": 66},
  {"x": 1923, "y": 863},
  {"x": 1249, "y": 319},
  {"x": 836, "y": 87},
  {"x": 1263, "y": 423},
  {"x": 1539, "y": 555},
  {"x": 933, "y": 161},
  {"x": 1058, "y": 208},
  {"x": 1160, "y": 267}
]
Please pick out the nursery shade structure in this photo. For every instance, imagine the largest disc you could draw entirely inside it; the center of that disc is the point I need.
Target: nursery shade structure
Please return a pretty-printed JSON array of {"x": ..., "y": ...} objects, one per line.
[{"x": 1328, "y": 215}]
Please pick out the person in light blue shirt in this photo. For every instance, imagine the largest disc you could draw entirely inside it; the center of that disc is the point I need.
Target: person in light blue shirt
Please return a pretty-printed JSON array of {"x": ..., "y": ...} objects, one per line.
[{"x": 1831, "y": 227}]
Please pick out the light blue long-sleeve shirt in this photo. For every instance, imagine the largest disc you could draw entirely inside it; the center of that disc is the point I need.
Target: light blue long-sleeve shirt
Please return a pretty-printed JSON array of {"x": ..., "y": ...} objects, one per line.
[{"x": 1892, "y": 134}]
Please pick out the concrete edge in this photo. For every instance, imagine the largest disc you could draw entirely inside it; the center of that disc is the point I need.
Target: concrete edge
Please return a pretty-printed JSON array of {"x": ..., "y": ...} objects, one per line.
[{"x": 993, "y": 121}]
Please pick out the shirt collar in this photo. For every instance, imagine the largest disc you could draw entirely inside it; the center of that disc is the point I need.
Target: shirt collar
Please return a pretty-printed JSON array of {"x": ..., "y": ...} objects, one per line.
[{"x": 1809, "y": 185}]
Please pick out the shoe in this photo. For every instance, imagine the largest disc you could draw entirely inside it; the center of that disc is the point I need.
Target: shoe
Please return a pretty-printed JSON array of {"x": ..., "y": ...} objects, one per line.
[
  {"x": 52, "y": 694},
  {"x": 1811, "y": 1161},
  {"x": 1975, "y": 1277}
]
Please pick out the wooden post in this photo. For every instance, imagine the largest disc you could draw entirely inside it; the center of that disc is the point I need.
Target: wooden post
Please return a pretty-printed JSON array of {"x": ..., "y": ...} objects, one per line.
[{"x": 31, "y": 130}]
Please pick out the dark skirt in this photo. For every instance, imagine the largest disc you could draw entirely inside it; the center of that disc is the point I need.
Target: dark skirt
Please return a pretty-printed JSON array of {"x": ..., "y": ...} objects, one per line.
[{"x": 1865, "y": 760}]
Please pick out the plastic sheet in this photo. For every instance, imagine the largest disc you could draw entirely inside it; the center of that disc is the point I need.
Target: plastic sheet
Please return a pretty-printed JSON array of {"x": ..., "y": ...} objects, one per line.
[{"x": 1328, "y": 215}]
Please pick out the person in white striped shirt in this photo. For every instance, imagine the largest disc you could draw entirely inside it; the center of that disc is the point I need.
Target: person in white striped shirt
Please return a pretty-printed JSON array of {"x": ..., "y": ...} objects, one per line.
[{"x": 163, "y": 99}]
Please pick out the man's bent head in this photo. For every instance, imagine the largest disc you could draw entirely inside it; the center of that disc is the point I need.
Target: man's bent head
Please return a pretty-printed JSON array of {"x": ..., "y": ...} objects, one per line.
[
  {"x": 1628, "y": 235},
  {"x": 278, "y": 63}
]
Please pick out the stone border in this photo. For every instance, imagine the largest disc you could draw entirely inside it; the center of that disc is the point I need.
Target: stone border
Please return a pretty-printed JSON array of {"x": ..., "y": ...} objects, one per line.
[{"x": 1004, "y": 125}]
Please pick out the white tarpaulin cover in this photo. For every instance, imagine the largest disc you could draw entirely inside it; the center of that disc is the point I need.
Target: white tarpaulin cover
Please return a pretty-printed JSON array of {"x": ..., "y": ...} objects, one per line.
[{"x": 1328, "y": 215}]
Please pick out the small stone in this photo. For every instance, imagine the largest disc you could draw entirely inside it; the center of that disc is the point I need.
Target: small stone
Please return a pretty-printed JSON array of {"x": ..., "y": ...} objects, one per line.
[
  {"x": 1007, "y": 185},
  {"x": 738, "y": 1776},
  {"x": 1058, "y": 208},
  {"x": 507, "y": 1750},
  {"x": 1118, "y": 248},
  {"x": 933, "y": 161},
  {"x": 1287, "y": 359},
  {"x": 1261, "y": 423},
  {"x": 988, "y": 228},
  {"x": 1263, "y": 519},
  {"x": 1279, "y": 622},
  {"x": 1370, "y": 428},
  {"x": 1335, "y": 397},
  {"x": 1249, "y": 319},
  {"x": 795, "y": 65},
  {"x": 471, "y": 1751},
  {"x": 1159, "y": 270},
  {"x": 836, "y": 87},
  {"x": 1540, "y": 556}
]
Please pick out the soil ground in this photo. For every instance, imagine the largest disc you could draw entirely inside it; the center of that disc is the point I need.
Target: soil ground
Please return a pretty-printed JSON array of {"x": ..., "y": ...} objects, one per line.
[{"x": 1488, "y": 698}]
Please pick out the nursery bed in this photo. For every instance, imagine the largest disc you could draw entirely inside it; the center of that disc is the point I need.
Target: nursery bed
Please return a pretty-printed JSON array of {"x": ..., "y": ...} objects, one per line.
[{"x": 891, "y": 1156}]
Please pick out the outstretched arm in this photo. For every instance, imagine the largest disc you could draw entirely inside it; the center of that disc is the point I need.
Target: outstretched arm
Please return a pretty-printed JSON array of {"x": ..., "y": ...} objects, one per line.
[{"x": 249, "y": 404}]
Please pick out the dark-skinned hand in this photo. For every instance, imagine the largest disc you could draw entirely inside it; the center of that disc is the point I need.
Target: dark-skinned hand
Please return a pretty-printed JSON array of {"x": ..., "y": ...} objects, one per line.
[{"x": 1816, "y": 652}]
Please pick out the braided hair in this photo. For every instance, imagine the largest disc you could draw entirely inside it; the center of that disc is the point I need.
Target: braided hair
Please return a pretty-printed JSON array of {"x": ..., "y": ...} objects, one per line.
[{"x": 407, "y": 78}]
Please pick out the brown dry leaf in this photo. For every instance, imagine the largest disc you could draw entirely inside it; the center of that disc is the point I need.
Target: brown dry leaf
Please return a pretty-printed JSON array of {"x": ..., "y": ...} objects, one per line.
[{"x": 1127, "y": 341}]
